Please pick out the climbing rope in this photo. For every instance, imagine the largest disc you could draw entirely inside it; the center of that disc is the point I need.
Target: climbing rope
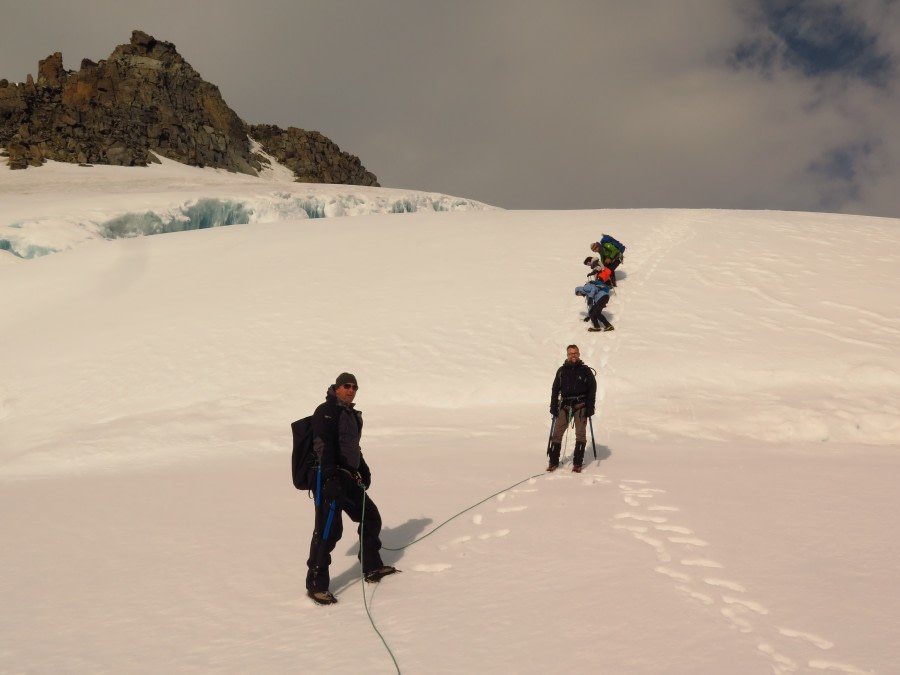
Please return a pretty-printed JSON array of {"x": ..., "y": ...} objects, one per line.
[
  {"x": 453, "y": 517},
  {"x": 362, "y": 577},
  {"x": 362, "y": 581}
]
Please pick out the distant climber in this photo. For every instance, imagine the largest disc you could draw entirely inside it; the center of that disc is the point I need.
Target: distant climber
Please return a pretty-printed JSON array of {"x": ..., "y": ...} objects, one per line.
[
  {"x": 597, "y": 295},
  {"x": 612, "y": 254}
]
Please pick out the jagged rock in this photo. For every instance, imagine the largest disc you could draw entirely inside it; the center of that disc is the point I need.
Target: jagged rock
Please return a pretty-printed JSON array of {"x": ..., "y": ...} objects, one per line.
[
  {"x": 145, "y": 99},
  {"x": 50, "y": 71},
  {"x": 311, "y": 156}
]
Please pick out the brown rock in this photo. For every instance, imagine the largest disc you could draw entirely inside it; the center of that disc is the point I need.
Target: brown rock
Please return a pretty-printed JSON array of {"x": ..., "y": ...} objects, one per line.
[
  {"x": 51, "y": 72},
  {"x": 144, "y": 99}
]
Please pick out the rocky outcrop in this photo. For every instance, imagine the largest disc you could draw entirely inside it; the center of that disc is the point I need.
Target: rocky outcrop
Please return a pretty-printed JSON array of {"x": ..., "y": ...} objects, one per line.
[
  {"x": 311, "y": 156},
  {"x": 145, "y": 99}
]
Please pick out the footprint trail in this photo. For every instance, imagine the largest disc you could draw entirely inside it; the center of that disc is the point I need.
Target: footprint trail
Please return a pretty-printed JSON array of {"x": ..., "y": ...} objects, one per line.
[{"x": 676, "y": 546}]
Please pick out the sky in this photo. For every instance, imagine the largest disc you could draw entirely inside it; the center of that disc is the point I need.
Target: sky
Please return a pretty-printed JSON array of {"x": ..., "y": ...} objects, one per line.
[
  {"x": 736, "y": 517},
  {"x": 751, "y": 104}
]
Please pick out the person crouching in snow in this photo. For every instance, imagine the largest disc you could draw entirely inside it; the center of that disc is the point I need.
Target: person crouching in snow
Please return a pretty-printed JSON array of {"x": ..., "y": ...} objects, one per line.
[
  {"x": 611, "y": 258},
  {"x": 598, "y": 271},
  {"x": 597, "y": 296}
]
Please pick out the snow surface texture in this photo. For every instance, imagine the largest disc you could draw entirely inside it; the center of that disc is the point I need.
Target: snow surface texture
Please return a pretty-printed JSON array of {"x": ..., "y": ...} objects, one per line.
[{"x": 737, "y": 519}]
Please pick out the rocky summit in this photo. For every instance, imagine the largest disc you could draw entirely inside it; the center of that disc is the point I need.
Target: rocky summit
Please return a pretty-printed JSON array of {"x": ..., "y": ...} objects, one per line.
[{"x": 146, "y": 100}]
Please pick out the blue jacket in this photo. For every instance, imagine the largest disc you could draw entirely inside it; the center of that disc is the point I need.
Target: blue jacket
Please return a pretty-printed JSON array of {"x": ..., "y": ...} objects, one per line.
[{"x": 593, "y": 292}]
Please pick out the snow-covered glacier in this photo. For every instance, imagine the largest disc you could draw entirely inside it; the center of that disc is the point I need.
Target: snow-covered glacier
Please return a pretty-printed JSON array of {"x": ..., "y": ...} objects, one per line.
[{"x": 59, "y": 206}]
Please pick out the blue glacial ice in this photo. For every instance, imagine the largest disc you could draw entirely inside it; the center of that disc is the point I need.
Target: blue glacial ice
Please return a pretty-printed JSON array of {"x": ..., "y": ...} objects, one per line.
[{"x": 29, "y": 239}]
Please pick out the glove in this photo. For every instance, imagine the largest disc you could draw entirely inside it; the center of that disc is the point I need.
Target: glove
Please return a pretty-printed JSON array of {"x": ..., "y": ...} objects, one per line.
[
  {"x": 589, "y": 411},
  {"x": 587, "y": 318},
  {"x": 332, "y": 488},
  {"x": 554, "y": 410}
]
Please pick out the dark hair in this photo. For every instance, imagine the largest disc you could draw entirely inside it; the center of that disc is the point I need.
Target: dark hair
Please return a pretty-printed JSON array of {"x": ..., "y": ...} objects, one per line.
[{"x": 575, "y": 347}]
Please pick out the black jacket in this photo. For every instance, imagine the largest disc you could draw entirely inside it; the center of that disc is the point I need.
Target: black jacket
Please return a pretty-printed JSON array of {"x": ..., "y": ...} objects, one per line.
[
  {"x": 574, "y": 383},
  {"x": 327, "y": 421}
]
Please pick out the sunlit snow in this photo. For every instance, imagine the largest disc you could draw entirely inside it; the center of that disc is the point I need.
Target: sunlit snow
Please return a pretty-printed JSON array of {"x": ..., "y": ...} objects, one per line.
[{"x": 738, "y": 517}]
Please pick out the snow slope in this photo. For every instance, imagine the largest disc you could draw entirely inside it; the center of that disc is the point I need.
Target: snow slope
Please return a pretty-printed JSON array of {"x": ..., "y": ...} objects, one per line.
[{"x": 737, "y": 517}]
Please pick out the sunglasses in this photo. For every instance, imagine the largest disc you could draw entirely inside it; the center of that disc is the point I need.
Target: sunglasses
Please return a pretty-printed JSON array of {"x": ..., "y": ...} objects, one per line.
[{"x": 354, "y": 387}]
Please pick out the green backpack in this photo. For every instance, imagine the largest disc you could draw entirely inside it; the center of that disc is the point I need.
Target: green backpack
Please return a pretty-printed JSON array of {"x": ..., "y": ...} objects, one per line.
[{"x": 610, "y": 252}]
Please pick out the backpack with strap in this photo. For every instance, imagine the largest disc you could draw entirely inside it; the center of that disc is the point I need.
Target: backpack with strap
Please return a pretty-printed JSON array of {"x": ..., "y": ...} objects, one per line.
[
  {"x": 607, "y": 239},
  {"x": 601, "y": 285},
  {"x": 303, "y": 459},
  {"x": 612, "y": 247}
]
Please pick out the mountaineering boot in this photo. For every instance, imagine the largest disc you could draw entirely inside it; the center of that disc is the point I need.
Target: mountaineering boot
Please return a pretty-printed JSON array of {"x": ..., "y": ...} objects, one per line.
[
  {"x": 379, "y": 573},
  {"x": 322, "y": 597},
  {"x": 554, "y": 456},
  {"x": 578, "y": 457},
  {"x": 609, "y": 327},
  {"x": 594, "y": 329}
]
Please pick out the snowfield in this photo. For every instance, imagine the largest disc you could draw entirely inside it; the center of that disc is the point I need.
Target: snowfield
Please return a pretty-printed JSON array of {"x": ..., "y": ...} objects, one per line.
[{"x": 737, "y": 517}]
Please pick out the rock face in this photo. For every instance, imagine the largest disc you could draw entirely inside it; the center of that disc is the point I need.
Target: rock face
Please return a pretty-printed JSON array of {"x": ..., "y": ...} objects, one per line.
[
  {"x": 311, "y": 156},
  {"x": 145, "y": 98}
]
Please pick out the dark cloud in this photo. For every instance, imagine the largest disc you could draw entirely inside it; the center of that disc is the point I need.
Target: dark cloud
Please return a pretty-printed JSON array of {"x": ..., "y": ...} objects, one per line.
[
  {"x": 818, "y": 38},
  {"x": 842, "y": 61},
  {"x": 839, "y": 174},
  {"x": 528, "y": 104}
]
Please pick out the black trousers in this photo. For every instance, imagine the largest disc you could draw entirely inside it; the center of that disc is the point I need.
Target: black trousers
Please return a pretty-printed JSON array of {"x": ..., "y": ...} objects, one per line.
[
  {"x": 613, "y": 264},
  {"x": 329, "y": 528},
  {"x": 596, "y": 312}
]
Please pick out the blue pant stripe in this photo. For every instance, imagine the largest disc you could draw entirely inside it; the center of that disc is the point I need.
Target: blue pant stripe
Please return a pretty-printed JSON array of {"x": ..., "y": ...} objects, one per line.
[{"x": 328, "y": 522}]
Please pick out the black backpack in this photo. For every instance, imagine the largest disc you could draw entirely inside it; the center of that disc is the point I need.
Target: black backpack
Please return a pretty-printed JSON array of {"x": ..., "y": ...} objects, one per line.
[{"x": 303, "y": 459}]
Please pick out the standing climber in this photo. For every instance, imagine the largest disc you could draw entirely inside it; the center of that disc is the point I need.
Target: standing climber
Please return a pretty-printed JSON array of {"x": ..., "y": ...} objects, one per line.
[{"x": 572, "y": 398}]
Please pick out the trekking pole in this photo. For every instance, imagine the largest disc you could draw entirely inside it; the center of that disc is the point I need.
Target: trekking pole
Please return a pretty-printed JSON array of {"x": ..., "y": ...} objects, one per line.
[
  {"x": 550, "y": 437},
  {"x": 593, "y": 444},
  {"x": 570, "y": 424}
]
